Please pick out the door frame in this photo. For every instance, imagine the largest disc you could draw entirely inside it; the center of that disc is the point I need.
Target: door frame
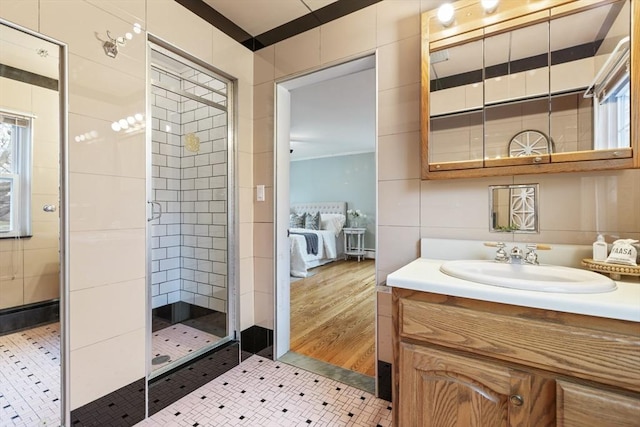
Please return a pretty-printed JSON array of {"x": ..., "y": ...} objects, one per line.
[
  {"x": 160, "y": 45},
  {"x": 282, "y": 115}
]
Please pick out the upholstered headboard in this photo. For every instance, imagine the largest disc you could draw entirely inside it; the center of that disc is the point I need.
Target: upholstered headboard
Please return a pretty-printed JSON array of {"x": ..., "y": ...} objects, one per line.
[{"x": 322, "y": 207}]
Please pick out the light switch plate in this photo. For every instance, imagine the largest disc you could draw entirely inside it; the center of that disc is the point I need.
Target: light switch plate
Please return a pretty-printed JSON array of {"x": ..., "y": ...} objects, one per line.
[{"x": 260, "y": 193}]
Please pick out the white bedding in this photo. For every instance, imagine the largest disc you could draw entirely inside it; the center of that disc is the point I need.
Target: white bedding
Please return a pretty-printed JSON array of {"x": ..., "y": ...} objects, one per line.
[{"x": 301, "y": 261}]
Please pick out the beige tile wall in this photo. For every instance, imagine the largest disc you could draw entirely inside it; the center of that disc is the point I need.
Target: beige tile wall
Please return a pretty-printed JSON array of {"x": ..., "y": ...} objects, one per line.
[
  {"x": 107, "y": 176},
  {"x": 573, "y": 206}
]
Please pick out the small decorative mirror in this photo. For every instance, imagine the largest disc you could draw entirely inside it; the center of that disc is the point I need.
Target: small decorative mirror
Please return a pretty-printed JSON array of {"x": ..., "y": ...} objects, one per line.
[{"x": 513, "y": 208}]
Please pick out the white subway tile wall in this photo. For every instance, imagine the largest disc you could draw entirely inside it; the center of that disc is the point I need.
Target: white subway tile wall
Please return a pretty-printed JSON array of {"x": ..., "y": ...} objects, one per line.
[{"x": 189, "y": 240}]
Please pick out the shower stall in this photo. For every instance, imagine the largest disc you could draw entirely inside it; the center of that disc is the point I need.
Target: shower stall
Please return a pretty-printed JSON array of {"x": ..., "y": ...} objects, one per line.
[{"x": 191, "y": 251}]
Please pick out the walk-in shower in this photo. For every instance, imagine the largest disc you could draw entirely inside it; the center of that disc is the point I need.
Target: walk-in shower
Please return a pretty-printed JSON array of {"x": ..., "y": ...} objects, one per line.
[{"x": 191, "y": 209}]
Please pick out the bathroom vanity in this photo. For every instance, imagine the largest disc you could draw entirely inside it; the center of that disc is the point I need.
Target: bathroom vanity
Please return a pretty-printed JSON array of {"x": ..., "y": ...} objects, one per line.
[{"x": 481, "y": 355}]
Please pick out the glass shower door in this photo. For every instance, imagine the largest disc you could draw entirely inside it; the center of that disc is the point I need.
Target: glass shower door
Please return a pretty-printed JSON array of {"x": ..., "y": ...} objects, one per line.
[{"x": 191, "y": 217}]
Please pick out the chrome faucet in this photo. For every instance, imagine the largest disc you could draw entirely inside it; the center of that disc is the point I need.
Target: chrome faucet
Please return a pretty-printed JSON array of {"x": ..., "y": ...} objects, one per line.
[{"x": 516, "y": 255}]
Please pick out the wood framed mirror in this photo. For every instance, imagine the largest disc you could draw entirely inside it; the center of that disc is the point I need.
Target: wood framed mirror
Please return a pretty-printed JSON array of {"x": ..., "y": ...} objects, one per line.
[{"x": 514, "y": 92}]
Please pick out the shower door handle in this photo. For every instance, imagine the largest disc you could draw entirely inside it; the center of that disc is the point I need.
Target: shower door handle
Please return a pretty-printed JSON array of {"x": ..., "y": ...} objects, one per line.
[
  {"x": 49, "y": 208},
  {"x": 154, "y": 214}
]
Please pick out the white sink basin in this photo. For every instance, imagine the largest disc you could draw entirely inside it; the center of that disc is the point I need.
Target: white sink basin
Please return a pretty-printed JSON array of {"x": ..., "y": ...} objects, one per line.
[{"x": 543, "y": 278}]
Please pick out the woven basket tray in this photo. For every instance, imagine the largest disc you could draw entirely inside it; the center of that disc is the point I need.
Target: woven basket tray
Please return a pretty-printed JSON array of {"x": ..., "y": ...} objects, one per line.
[{"x": 615, "y": 270}]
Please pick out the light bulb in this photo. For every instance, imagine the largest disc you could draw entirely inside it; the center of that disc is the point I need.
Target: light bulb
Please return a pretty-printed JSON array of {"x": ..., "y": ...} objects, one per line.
[
  {"x": 115, "y": 126},
  {"x": 489, "y": 6},
  {"x": 139, "y": 117},
  {"x": 137, "y": 28},
  {"x": 131, "y": 120},
  {"x": 123, "y": 124},
  {"x": 446, "y": 14},
  {"x": 128, "y": 36}
]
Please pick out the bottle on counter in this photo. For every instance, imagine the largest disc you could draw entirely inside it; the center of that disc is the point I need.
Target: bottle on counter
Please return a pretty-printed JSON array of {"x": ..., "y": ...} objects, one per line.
[{"x": 600, "y": 249}]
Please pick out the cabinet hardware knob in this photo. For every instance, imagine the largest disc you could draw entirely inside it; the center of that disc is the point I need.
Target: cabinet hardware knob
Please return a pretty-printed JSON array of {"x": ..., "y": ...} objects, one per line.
[
  {"x": 537, "y": 159},
  {"x": 516, "y": 400}
]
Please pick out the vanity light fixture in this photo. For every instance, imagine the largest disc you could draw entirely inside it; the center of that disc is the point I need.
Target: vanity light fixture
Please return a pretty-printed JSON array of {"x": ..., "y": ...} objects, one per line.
[
  {"x": 446, "y": 14},
  {"x": 489, "y": 6}
]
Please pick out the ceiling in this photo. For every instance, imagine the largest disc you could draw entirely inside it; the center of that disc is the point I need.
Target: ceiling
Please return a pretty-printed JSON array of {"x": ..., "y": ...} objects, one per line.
[
  {"x": 259, "y": 16},
  {"x": 334, "y": 117}
]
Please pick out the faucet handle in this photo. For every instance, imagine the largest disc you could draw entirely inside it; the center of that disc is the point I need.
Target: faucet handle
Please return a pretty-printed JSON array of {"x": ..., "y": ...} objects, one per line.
[
  {"x": 538, "y": 246},
  {"x": 501, "y": 254},
  {"x": 532, "y": 257}
]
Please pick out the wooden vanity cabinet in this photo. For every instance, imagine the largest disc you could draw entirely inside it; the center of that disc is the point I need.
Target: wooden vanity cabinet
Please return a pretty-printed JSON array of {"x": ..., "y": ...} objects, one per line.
[{"x": 462, "y": 362}]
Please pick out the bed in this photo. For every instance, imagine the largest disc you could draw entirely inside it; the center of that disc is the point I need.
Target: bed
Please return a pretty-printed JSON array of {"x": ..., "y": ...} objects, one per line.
[{"x": 328, "y": 241}]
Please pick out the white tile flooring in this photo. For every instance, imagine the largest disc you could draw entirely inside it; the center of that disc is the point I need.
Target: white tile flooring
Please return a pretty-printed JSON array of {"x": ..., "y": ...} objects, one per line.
[
  {"x": 179, "y": 340},
  {"x": 30, "y": 377},
  {"x": 262, "y": 393},
  {"x": 258, "y": 393}
]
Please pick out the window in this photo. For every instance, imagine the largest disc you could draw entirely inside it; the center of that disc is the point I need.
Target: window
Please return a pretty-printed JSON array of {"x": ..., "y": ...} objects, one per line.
[
  {"x": 613, "y": 115},
  {"x": 15, "y": 171}
]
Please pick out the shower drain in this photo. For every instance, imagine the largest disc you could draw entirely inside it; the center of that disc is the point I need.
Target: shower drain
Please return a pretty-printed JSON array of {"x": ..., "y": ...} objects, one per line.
[{"x": 158, "y": 360}]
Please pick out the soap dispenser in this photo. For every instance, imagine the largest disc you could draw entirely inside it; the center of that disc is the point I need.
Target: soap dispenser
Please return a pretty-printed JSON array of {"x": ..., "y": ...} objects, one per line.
[{"x": 600, "y": 249}]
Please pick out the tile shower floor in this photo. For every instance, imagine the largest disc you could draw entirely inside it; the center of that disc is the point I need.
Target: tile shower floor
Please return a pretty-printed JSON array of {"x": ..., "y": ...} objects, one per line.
[
  {"x": 177, "y": 341},
  {"x": 262, "y": 393},
  {"x": 30, "y": 377}
]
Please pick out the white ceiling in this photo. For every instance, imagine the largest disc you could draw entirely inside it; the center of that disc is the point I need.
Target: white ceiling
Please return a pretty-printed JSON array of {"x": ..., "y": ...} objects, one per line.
[
  {"x": 259, "y": 16},
  {"x": 335, "y": 117}
]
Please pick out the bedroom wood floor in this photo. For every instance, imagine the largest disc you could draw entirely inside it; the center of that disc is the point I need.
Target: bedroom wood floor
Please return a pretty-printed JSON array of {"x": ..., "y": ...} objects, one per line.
[{"x": 333, "y": 315}]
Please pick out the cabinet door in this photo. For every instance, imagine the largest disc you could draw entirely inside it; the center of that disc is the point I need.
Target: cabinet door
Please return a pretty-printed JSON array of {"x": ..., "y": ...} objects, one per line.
[
  {"x": 441, "y": 389},
  {"x": 581, "y": 406}
]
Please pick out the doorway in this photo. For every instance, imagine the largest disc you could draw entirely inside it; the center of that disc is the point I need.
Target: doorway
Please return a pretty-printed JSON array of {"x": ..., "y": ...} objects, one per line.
[
  {"x": 191, "y": 206},
  {"x": 331, "y": 175}
]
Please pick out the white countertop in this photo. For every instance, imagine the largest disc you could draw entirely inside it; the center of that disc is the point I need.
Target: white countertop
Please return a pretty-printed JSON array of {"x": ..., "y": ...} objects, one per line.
[{"x": 424, "y": 274}]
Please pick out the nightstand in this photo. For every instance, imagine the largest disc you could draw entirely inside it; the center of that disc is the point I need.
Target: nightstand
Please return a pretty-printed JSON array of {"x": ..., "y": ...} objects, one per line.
[{"x": 354, "y": 242}]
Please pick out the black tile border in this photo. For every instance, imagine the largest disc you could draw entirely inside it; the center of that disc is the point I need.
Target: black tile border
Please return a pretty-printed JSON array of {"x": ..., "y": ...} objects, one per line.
[
  {"x": 384, "y": 380},
  {"x": 255, "y": 339},
  {"x": 28, "y": 77},
  {"x": 28, "y": 316},
  {"x": 306, "y": 22},
  {"x": 174, "y": 385},
  {"x": 124, "y": 407}
]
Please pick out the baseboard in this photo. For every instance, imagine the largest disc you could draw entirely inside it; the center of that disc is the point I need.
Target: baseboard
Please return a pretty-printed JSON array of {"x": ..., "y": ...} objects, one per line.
[
  {"x": 256, "y": 339},
  {"x": 27, "y": 316},
  {"x": 384, "y": 380}
]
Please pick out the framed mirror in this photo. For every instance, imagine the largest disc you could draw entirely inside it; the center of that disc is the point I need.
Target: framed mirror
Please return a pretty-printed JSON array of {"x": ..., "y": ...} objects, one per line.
[
  {"x": 590, "y": 81},
  {"x": 32, "y": 275},
  {"x": 513, "y": 208},
  {"x": 512, "y": 91}
]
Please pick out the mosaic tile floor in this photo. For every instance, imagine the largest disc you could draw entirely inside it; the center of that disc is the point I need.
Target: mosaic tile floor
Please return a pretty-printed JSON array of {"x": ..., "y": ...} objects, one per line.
[
  {"x": 264, "y": 393},
  {"x": 30, "y": 377},
  {"x": 179, "y": 340}
]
